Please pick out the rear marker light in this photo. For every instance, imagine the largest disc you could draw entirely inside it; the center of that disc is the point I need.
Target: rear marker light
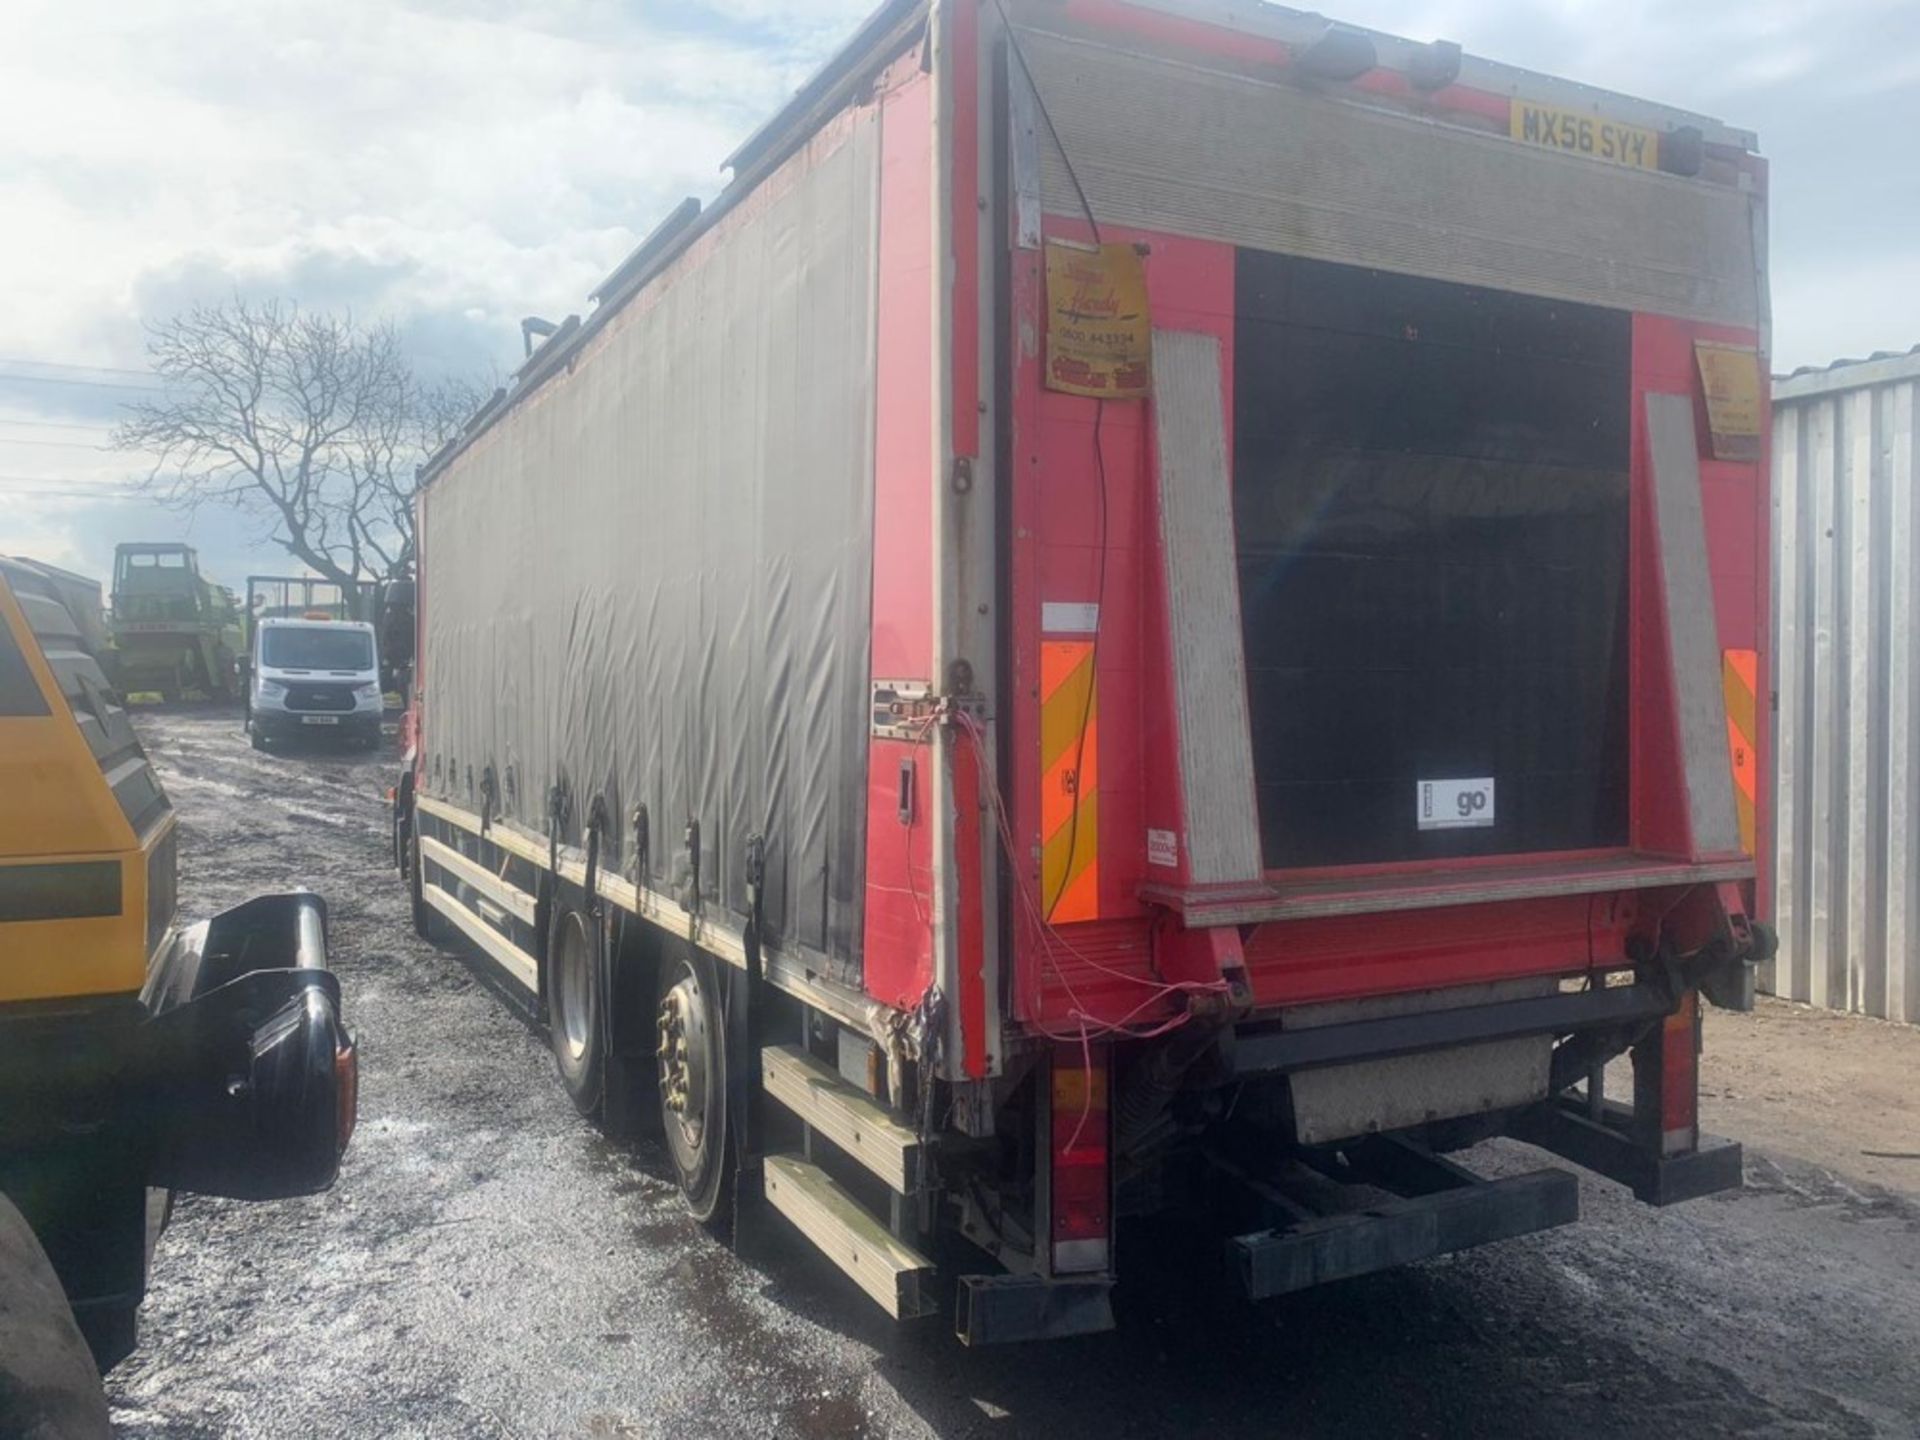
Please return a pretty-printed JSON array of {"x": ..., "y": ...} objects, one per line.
[
  {"x": 1679, "y": 1078},
  {"x": 1081, "y": 1183},
  {"x": 346, "y": 1075}
]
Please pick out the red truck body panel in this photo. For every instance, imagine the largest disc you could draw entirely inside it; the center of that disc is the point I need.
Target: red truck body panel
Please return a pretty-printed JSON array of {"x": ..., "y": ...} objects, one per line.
[
  {"x": 1097, "y": 968},
  {"x": 899, "y": 935}
]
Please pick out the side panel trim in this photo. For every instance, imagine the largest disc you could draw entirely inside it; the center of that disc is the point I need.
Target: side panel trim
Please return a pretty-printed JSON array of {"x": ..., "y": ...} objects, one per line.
[
  {"x": 1693, "y": 639},
  {"x": 785, "y": 970},
  {"x": 1203, "y": 604},
  {"x": 517, "y": 902},
  {"x": 517, "y": 963}
]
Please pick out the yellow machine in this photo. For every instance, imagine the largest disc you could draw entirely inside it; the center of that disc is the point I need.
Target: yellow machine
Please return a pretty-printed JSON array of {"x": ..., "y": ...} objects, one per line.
[{"x": 136, "y": 1056}]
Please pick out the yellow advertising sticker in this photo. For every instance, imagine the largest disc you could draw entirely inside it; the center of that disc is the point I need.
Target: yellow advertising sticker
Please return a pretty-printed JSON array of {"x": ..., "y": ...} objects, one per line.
[
  {"x": 1730, "y": 378},
  {"x": 1099, "y": 331}
]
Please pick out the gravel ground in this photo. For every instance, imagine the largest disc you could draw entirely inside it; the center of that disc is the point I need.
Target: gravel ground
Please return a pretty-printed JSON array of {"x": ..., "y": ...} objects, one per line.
[{"x": 488, "y": 1266}]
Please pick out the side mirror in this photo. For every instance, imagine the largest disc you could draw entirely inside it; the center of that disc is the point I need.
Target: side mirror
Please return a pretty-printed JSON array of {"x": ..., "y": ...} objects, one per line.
[{"x": 255, "y": 1087}]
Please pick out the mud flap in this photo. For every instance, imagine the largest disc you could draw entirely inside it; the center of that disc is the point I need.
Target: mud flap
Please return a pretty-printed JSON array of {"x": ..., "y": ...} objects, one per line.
[
  {"x": 1001, "y": 1309},
  {"x": 743, "y": 1082},
  {"x": 629, "y": 1106}
]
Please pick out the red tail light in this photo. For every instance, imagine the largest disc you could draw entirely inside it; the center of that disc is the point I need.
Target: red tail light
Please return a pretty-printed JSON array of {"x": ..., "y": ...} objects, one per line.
[{"x": 1081, "y": 1174}]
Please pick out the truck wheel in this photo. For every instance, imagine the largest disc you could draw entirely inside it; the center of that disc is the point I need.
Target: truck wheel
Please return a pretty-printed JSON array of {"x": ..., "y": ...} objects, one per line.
[
  {"x": 426, "y": 920},
  {"x": 255, "y": 738},
  {"x": 574, "y": 963},
  {"x": 48, "y": 1382},
  {"x": 693, "y": 1081}
]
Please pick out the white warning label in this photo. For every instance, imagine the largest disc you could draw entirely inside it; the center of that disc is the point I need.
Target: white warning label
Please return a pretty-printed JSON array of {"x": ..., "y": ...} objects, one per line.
[{"x": 1454, "y": 804}]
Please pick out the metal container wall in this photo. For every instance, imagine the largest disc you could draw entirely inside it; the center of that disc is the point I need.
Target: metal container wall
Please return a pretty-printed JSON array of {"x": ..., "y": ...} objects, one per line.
[{"x": 1846, "y": 785}]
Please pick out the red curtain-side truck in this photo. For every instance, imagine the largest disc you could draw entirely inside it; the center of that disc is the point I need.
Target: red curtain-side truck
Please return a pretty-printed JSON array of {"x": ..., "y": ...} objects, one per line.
[{"x": 1159, "y": 611}]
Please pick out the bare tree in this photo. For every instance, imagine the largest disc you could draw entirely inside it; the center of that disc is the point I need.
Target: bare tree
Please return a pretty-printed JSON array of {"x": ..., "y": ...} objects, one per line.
[
  {"x": 313, "y": 423},
  {"x": 380, "y": 458}
]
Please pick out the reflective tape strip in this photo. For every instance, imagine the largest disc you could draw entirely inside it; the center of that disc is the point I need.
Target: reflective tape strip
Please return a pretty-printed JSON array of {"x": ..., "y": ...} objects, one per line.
[
  {"x": 1069, "y": 781},
  {"x": 1740, "y": 673}
]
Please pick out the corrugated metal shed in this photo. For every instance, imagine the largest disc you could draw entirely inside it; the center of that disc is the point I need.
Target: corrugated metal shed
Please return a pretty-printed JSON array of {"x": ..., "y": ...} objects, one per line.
[{"x": 1847, "y": 785}]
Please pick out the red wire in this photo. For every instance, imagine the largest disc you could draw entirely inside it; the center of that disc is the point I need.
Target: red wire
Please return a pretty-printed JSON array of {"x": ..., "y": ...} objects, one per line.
[{"x": 1090, "y": 1025}]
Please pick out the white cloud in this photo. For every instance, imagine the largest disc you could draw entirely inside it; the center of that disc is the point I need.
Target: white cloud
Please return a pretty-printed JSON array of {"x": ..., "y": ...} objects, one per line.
[
  {"x": 505, "y": 157},
  {"x": 461, "y": 163},
  {"x": 456, "y": 164}
]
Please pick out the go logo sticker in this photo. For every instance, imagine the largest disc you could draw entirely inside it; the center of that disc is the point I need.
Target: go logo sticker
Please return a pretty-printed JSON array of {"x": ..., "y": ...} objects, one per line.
[{"x": 1454, "y": 804}]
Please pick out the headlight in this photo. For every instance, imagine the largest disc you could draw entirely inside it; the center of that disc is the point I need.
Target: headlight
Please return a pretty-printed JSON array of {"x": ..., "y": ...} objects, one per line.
[
  {"x": 367, "y": 692},
  {"x": 271, "y": 689}
]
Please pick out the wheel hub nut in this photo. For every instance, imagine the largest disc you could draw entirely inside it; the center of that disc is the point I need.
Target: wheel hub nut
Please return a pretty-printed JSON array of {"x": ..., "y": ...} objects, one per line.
[{"x": 672, "y": 1055}]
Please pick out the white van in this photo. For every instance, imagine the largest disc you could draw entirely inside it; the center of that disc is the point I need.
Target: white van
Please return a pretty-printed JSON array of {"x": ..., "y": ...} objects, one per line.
[{"x": 314, "y": 677}]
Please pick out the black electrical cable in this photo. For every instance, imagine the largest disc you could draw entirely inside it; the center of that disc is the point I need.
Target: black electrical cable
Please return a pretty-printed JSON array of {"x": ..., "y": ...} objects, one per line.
[{"x": 1100, "y": 470}]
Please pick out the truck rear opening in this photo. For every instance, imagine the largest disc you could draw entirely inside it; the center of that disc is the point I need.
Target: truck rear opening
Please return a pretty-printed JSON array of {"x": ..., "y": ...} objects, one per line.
[
  {"x": 1156, "y": 611},
  {"x": 1431, "y": 487}
]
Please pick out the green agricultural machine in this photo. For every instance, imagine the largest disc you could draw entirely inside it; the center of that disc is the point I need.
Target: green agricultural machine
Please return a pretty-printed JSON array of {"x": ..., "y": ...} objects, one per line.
[{"x": 175, "y": 633}]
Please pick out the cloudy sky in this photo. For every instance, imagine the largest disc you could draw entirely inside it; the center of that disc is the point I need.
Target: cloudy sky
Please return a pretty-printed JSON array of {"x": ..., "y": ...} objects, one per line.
[{"x": 457, "y": 164}]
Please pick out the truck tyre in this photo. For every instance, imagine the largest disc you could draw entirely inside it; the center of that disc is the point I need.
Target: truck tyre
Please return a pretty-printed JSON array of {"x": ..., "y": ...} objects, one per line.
[
  {"x": 258, "y": 741},
  {"x": 49, "y": 1386},
  {"x": 693, "y": 1081},
  {"x": 426, "y": 920},
  {"x": 576, "y": 962}
]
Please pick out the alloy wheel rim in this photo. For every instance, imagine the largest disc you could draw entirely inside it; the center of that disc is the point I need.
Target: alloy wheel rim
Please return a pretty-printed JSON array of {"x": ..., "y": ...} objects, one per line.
[
  {"x": 685, "y": 1057},
  {"x": 574, "y": 1017}
]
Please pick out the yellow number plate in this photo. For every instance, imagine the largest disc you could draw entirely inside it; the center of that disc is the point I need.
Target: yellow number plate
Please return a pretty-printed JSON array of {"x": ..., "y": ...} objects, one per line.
[{"x": 1588, "y": 135}]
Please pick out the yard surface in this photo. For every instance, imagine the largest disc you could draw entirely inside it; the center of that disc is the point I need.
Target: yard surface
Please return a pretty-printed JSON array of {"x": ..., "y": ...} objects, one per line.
[{"x": 489, "y": 1266}]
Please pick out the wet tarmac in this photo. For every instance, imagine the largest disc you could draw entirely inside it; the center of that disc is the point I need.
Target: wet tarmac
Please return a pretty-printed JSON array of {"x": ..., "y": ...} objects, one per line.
[{"x": 489, "y": 1266}]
